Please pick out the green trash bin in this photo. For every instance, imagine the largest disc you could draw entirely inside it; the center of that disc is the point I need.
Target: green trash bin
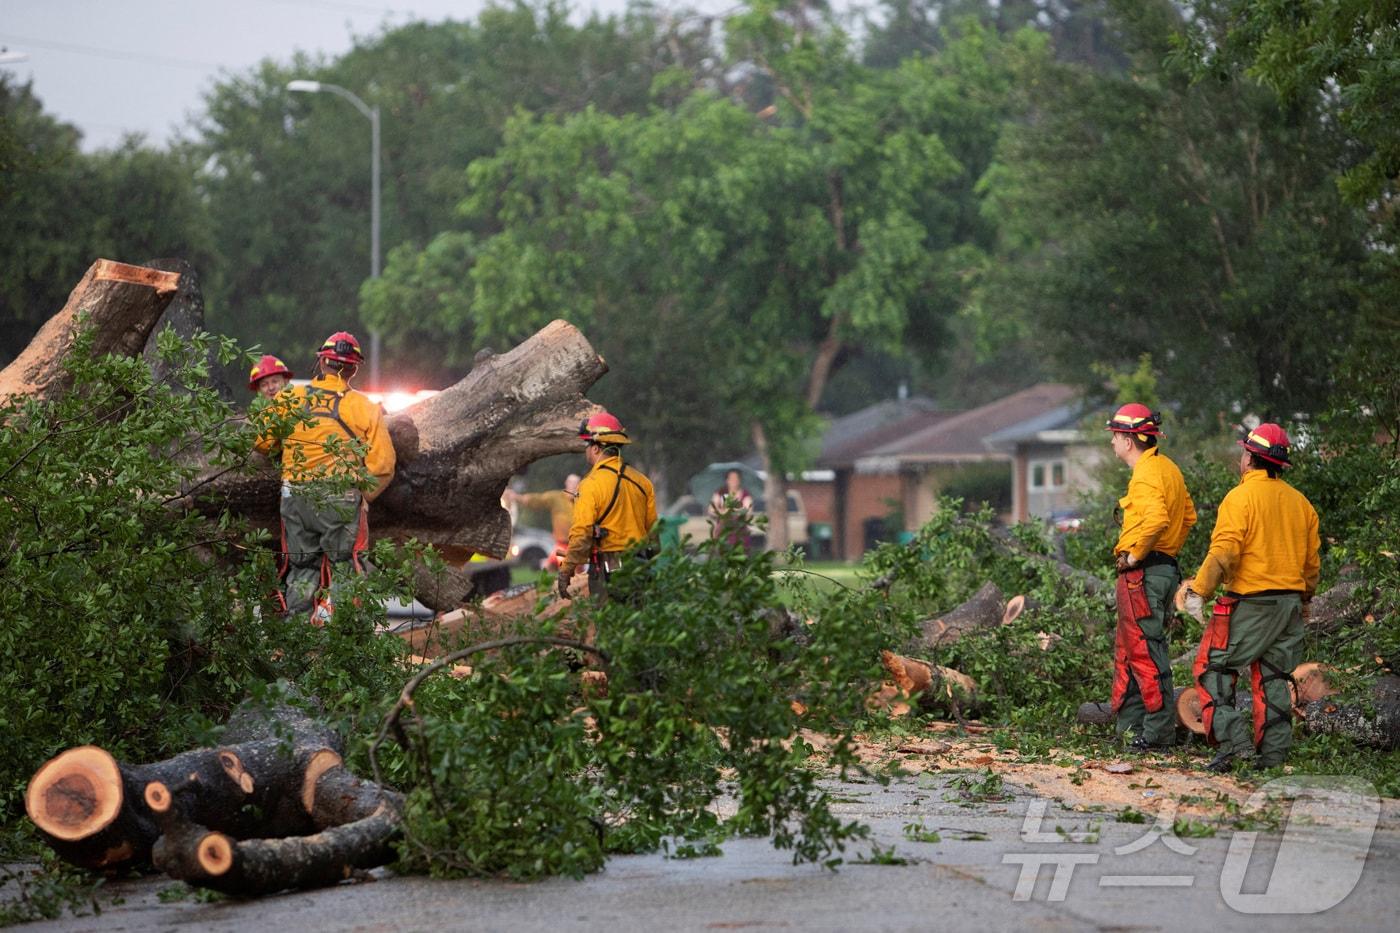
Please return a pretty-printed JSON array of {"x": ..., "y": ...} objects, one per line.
[
  {"x": 669, "y": 531},
  {"x": 820, "y": 536}
]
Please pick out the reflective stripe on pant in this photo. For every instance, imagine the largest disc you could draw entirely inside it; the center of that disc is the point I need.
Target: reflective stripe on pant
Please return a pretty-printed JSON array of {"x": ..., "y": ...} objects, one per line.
[
  {"x": 1142, "y": 685},
  {"x": 323, "y": 537},
  {"x": 1264, "y": 634}
]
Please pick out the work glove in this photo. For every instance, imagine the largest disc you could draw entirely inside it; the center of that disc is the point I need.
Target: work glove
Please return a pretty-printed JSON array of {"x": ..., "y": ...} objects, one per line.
[
  {"x": 1126, "y": 561},
  {"x": 1195, "y": 606},
  {"x": 562, "y": 586}
]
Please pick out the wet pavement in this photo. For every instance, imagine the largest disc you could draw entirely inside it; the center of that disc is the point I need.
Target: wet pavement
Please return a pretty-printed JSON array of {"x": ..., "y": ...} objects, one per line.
[{"x": 1014, "y": 859}]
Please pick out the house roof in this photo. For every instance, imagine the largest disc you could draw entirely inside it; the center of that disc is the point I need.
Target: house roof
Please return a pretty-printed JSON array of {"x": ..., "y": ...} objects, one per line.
[
  {"x": 961, "y": 438},
  {"x": 850, "y": 436},
  {"x": 1060, "y": 425}
]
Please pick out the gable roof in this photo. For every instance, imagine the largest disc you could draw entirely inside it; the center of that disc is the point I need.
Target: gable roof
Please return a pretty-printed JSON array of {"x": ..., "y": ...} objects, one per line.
[
  {"x": 961, "y": 438},
  {"x": 848, "y": 437}
]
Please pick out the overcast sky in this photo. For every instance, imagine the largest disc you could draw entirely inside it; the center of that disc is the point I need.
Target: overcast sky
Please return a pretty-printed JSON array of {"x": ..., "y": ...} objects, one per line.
[{"x": 113, "y": 67}]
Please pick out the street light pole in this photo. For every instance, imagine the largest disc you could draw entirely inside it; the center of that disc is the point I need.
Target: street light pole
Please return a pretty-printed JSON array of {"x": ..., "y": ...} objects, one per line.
[{"x": 371, "y": 114}]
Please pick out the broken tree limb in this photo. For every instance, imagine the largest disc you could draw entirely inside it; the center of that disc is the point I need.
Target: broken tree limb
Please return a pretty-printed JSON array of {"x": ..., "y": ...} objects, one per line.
[
  {"x": 119, "y": 304},
  {"x": 932, "y": 686},
  {"x": 983, "y": 610}
]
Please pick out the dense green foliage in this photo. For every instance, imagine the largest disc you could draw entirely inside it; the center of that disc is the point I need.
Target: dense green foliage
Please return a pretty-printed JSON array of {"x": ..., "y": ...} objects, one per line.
[
  {"x": 131, "y": 622},
  {"x": 527, "y": 779}
]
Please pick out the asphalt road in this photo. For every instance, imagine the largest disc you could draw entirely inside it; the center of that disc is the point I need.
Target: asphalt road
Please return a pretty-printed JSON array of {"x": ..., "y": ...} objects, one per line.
[{"x": 994, "y": 866}]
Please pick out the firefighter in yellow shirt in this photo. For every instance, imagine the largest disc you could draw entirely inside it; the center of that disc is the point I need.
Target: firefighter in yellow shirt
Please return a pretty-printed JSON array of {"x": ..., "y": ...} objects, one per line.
[
  {"x": 1157, "y": 515},
  {"x": 338, "y": 433},
  {"x": 560, "y": 505},
  {"x": 615, "y": 507},
  {"x": 1264, "y": 550}
]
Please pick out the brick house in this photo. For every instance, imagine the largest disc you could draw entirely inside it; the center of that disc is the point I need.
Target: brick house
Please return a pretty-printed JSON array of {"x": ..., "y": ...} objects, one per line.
[{"x": 891, "y": 461}]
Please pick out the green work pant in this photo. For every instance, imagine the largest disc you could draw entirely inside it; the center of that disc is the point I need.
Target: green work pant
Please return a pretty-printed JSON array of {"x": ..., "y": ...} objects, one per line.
[
  {"x": 1268, "y": 629},
  {"x": 322, "y": 537},
  {"x": 1159, "y": 582}
]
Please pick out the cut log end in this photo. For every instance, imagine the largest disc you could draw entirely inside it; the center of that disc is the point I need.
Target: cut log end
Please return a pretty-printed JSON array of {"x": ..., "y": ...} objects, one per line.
[
  {"x": 75, "y": 795},
  {"x": 1188, "y": 710},
  {"x": 215, "y": 854},
  {"x": 1016, "y": 606},
  {"x": 320, "y": 763},
  {"x": 158, "y": 797}
]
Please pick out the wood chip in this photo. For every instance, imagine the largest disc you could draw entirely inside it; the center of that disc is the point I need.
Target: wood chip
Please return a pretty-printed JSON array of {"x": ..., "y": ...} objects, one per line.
[
  {"x": 924, "y": 748},
  {"x": 1119, "y": 767}
]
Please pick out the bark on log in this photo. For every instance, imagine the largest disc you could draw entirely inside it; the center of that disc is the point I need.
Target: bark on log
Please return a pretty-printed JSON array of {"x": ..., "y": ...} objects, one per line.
[
  {"x": 1344, "y": 604},
  {"x": 279, "y": 775},
  {"x": 1378, "y": 726},
  {"x": 457, "y": 450},
  {"x": 360, "y": 822},
  {"x": 984, "y": 610},
  {"x": 185, "y": 316},
  {"x": 118, "y": 302}
]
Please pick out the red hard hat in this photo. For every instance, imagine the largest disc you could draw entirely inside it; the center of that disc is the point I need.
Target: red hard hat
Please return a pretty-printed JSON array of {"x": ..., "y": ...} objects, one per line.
[
  {"x": 1268, "y": 441},
  {"x": 1133, "y": 418},
  {"x": 342, "y": 347},
  {"x": 269, "y": 365},
  {"x": 602, "y": 428}
]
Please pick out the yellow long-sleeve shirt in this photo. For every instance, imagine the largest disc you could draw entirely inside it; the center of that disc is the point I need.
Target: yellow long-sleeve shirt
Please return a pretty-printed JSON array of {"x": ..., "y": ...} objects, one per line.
[
  {"x": 560, "y": 505},
  {"x": 1157, "y": 511},
  {"x": 630, "y": 519},
  {"x": 1265, "y": 538},
  {"x": 308, "y": 453}
]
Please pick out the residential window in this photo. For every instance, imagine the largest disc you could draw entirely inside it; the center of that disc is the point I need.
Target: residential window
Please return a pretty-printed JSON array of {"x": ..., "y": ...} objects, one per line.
[{"x": 1046, "y": 475}]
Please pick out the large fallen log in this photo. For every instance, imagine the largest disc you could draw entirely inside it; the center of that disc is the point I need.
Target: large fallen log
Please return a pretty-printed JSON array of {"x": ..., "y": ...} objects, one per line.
[
  {"x": 272, "y": 808},
  {"x": 456, "y": 451},
  {"x": 120, "y": 305},
  {"x": 984, "y": 610}
]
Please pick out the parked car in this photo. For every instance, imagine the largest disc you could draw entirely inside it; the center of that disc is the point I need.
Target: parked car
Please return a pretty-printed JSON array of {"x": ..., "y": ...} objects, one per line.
[
  {"x": 697, "y": 524},
  {"x": 530, "y": 547}
]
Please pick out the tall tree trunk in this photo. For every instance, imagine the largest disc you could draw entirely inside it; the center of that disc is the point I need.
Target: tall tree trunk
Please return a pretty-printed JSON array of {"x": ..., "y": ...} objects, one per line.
[{"x": 774, "y": 491}]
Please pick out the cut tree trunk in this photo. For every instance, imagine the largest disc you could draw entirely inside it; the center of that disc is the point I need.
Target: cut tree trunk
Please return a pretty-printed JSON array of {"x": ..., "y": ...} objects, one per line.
[
  {"x": 119, "y": 303},
  {"x": 456, "y": 451},
  {"x": 984, "y": 610},
  {"x": 1378, "y": 726},
  {"x": 279, "y": 775}
]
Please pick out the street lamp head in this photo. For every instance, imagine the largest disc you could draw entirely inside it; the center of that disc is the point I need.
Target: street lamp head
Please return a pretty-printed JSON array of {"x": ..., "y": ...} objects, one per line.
[{"x": 303, "y": 85}]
